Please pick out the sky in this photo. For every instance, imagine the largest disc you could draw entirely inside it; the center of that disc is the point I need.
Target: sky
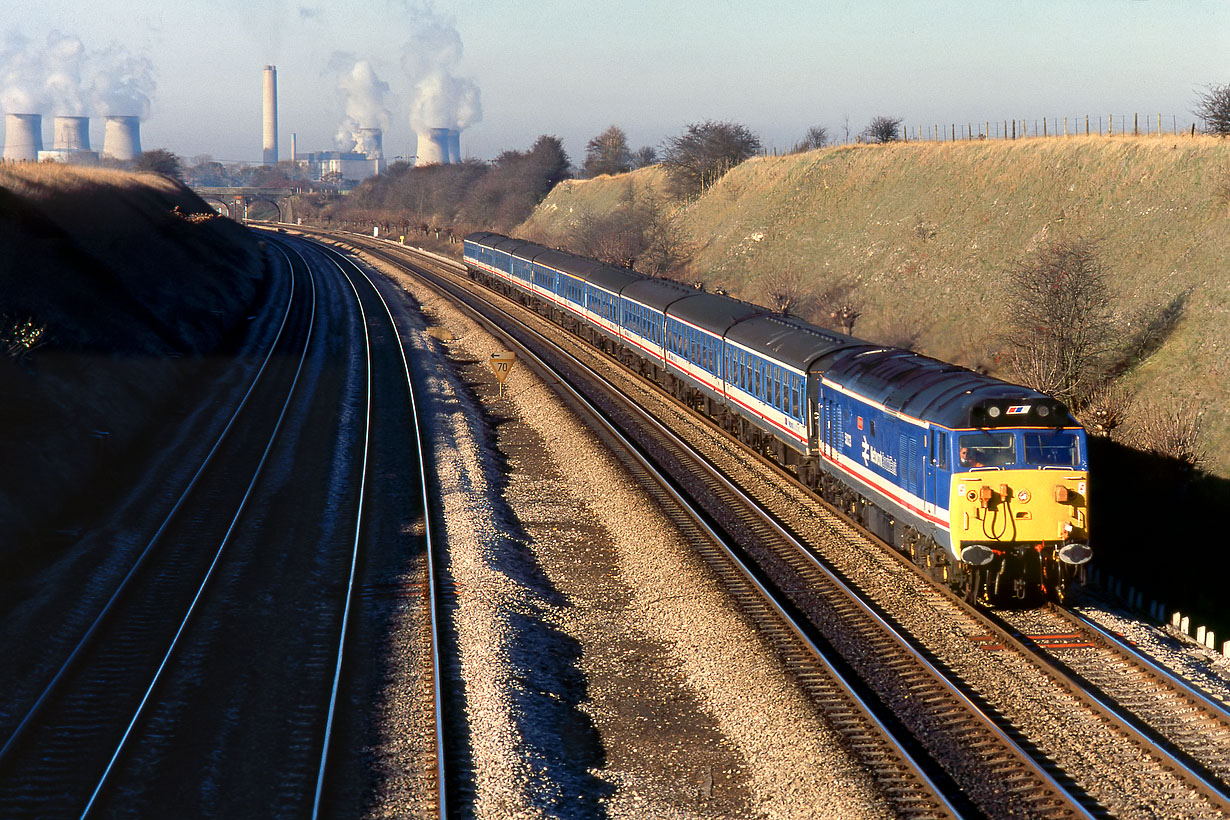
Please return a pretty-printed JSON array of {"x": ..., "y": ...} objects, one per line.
[{"x": 521, "y": 69}]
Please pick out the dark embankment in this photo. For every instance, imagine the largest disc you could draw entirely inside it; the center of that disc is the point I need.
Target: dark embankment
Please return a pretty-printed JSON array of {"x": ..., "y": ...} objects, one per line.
[{"x": 111, "y": 286}]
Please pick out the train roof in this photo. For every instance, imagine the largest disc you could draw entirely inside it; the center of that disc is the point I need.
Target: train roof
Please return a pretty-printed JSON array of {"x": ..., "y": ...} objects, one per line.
[
  {"x": 614, "y": 279},
  {"x": 712, "y": 312},
  {"x": 578, "y": 266},
  {"x": 940, "y": 392},
  {"x": 787, "y": 339},
  {"x": 656, "y": 293}
]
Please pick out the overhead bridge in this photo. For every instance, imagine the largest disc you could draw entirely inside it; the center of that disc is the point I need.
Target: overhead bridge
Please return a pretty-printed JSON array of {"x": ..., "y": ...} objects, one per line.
[{"x": 234, "y": 202}]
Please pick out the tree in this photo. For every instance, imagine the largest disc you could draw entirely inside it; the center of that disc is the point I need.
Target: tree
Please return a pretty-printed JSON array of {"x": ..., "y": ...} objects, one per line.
[
  {"x": 704, "y": 152},
  {"x": 785, "y": 292},
  {"x": 1060, "y": 325},
  {"x": 158, "y": 161},
  {"x": 816, "y": 137},
  {"x": 644, "y": 157},
  {"x": 1214, "y": 109},
  {"x": 882, "y": 129},
  {"x": 608, "y": 153},
  {"x": 638, "y": 233}
]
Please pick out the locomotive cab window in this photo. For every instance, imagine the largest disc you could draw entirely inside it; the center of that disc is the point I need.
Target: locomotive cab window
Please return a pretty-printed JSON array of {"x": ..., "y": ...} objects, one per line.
[
  {"x": 987, "y": 449},
  {"x": 1051, "y": 449}
]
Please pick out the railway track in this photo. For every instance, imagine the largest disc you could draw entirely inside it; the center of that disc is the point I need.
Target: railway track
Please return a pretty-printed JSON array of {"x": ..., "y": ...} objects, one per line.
[
  {"x": 1022, "y": 788},
  {"x": 268, "y": 557},
  {"x": 1076, "y": 739},
  {"x": 1166, "y": 711}
]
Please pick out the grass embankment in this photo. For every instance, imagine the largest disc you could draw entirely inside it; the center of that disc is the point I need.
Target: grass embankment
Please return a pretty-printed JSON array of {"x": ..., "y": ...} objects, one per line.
[
  {"x": 926, "y": 231},
  {"x": 130, "y": 279}
]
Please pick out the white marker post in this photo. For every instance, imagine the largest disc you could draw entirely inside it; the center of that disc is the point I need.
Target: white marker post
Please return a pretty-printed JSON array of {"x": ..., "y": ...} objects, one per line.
[{"x": 501, "y": 363}]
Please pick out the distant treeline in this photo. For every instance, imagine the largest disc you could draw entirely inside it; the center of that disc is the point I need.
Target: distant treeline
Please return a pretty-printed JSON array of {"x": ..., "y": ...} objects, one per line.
[{"x": 468, "y": 195}]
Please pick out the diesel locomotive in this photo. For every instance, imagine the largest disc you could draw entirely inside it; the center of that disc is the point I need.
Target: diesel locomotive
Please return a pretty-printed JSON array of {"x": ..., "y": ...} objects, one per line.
[{"x": 982, "y": 482}]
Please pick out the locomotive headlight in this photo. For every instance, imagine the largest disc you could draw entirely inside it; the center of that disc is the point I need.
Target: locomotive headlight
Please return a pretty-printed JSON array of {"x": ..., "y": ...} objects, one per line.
[
  {"x": 1023, "y": 496},
  {"x": 993, "y": 412},
  {"x": 1043, "y": 410}
]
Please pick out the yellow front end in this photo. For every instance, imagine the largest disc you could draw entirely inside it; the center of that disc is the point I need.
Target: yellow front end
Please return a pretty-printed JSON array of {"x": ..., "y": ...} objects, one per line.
[{"x": 1001, "y": 511}]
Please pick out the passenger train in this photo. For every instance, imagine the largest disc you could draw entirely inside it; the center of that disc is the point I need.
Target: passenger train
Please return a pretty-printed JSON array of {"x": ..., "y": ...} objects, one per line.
[{"x": 982, "y": 482}]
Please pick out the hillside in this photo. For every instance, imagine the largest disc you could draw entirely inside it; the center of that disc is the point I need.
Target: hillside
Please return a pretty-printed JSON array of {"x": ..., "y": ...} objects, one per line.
[
  {"x": 112, "y": 287},
  {"x": 925, "y": 232}
]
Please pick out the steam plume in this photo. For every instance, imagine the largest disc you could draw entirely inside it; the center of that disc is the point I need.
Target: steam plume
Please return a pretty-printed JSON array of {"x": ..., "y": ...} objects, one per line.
[
  {"x": 364, "y": 95},
  {"x": 441, "y": 98},
  {"x": 67, "y": 79}
]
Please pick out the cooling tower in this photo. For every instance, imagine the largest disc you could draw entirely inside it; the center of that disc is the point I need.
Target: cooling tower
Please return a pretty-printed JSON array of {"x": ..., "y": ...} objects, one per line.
[
  {"x": 433, "y": 147},
  {"x": 122, "y": 138},
  {"x": 371, "y": 142},
  {"x": 72, "y": 133},
  {"x": 270, "y": 115},
  {"x": 454, "y": 145},
  {"x": 23, "y": 136}
]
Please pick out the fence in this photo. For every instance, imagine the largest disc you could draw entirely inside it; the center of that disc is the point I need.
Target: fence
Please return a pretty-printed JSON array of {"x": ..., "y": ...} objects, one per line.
[{"x": 1087, "y": 125}]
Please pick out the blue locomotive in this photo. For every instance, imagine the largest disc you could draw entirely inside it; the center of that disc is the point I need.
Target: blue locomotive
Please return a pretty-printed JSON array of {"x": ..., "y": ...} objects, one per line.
[{"x": 982, "y": 482}]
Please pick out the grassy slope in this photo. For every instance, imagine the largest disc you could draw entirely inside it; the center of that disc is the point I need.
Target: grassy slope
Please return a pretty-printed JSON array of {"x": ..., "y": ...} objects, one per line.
[
  {"x": 927, "y": 231},
  {"x": 130, "y": 293}
]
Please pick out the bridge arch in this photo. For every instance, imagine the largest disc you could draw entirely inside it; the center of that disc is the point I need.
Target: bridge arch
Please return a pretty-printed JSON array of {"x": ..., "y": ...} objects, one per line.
[{"x": 218, "y": 205}]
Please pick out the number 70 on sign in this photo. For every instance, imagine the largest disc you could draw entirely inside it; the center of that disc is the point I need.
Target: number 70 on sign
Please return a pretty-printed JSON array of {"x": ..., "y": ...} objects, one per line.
[{"x": 501, "y": 363}]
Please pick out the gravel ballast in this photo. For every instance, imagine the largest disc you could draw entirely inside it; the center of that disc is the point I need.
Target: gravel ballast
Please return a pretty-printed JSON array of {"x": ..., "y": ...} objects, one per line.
[{"x": 604, "y": 673}]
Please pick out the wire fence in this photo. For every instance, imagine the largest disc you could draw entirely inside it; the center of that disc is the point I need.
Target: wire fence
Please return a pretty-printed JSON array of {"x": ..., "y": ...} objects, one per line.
[{"x": 1135, "y": 124}]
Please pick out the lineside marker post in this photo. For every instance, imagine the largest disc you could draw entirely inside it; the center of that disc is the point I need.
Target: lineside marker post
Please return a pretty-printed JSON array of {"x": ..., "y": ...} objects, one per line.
[{"x": 501, "y": 363}]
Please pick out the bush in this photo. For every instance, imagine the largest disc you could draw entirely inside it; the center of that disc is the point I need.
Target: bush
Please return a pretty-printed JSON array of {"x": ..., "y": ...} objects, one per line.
[{"x": 704, "y": 152}]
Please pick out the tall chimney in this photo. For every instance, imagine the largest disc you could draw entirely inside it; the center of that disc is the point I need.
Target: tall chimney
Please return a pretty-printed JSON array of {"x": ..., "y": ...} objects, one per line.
[
  {"x": 72, "y": 133},
  {"x": 294, "y": 147},
  {"x": 122, "y": 138},
  {"x": 433, "y": 147},
  {"x": 454, "y": 145},
  {"x": 23, "y": 136},
  {"x": 270, "y": 119}
]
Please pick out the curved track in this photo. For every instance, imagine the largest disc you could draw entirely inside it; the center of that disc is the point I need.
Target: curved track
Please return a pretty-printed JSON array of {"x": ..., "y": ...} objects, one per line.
[
  {"x": 1111, "y": 770},
  {"x": 219, "y": 670}
]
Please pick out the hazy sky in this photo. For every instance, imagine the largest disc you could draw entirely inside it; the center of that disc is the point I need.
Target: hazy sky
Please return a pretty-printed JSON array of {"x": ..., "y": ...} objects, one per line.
[{"x": 571, "y": 68}]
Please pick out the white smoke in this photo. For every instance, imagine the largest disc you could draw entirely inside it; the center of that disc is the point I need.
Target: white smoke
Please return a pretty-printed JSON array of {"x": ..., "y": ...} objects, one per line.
[
  {"x": 22, "y": 76},
  {"x": 363, "y": 94},
  {"x": 65, "y": 78},
  {"x": 123, "y": 84},
  {"x": 441, "y": 99}
]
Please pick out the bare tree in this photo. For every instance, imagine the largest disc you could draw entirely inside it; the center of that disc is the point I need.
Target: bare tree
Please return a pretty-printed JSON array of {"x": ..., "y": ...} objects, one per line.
[
  {"x": 882, "y": 129},
  {"x": 638, "y": 233},
  {"x": 838, "y": 306},
  {"x": 785, "y": 291},
  {"x": 1107, "y": 409},
  {"x": 816, "y": 137},
  {"x": 1214, "y": 108},
  {"x": 1174, "y": 430},
  {"x": 1061, "y": 324},
  {"x": 644, "y": 156},
  {"x": 608, "y": 153},
  {"x": 704, "y": 152}
]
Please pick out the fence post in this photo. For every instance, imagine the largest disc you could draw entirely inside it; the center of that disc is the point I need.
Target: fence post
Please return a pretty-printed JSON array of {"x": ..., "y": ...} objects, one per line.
[
  {"x": 1136, "y": 124},
  {"x": 1159, "y": 125},
  {"x": 1065, "y": 126},
  {"x": 1044, "y": 126},
  {"x": 1014, "y": 129},
  {"x": 1086, "y": 125}
]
